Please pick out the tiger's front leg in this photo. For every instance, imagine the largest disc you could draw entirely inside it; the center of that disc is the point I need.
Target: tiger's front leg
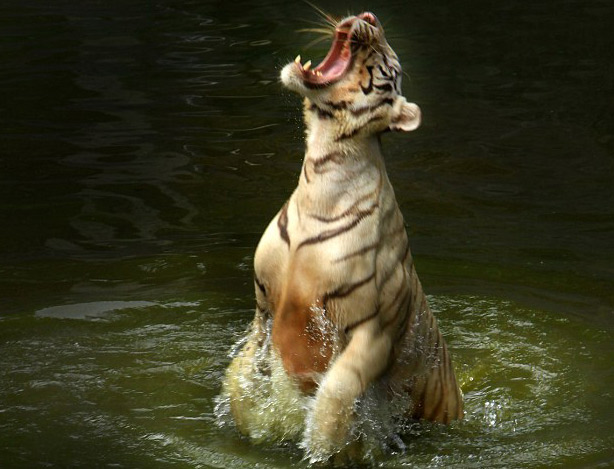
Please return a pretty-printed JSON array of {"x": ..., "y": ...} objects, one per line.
[{"x": 329, "y": 424}]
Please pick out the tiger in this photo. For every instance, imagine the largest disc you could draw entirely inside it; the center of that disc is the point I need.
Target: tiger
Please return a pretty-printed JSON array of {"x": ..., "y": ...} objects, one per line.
[{"x": 339, "y": 306}]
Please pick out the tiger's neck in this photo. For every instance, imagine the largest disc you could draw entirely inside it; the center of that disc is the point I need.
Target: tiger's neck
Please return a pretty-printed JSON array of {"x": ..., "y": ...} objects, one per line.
[{"x": 338, "y": 169}]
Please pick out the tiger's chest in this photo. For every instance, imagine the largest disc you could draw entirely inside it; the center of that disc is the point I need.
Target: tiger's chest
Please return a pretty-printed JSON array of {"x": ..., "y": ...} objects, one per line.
[
  {"x": 314, "y": 280},
  {"x": 313, "y": 260}
]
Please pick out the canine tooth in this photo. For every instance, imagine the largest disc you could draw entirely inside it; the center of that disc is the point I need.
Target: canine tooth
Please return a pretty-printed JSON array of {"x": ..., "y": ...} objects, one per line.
[
  {"x": 319, "y": 73},
  {"x": 298, "y": 59},
  {"x": 307, "y": 65}
]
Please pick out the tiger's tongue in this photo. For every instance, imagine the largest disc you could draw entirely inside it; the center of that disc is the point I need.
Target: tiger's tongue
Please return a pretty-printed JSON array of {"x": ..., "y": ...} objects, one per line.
[{"x": 334, "y": 64}]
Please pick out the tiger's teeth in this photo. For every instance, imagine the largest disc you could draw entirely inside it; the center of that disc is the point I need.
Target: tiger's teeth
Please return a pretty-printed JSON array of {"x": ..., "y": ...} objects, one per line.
[
  {"x": 307, "y": 65},
  {"x": 319, "y": 73},
  {"x": 298, "y": 59}
]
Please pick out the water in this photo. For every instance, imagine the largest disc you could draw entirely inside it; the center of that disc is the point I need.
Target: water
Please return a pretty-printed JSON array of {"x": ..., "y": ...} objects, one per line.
[{"x": 145, "y": 146}]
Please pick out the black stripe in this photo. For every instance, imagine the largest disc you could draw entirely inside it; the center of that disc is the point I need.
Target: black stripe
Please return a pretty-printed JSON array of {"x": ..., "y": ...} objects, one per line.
[
  {"x": 384, "y": 72},
  {"x": 346, "y": 290},
  {"x": 404, "y": 307},
  {"x": 353, "y": 132},
  {"x": 439, "y": 404},
  {"x": 385, "y": 87},
  {"x": 314, "y": 86},
  {"x": 405, "y": 295},
  {"x": 405, "y": 253},
  {"x": 388, "y": 275},
  {"x": 282, "y": 224},
  {"x": 385, "y": 79},
  {"x": 410, "y": 305},
  {"x": 386, "y": 278},
  {"x": 328, "y": 234},
  {"x": 459, "y": 403},
  {"x": 401, "y": 293},
  {"x": 427, "y": 332},
  {"x": 361, "y": 321},
  {"x": 359, "y": 252},
  {"x": 352, "y": 210},
  {"x": 347, "y": 213},
  {"x": 419, "y": 301},
  {"x": 305, "y": 173},
  {"x": 260, "y": 285},
  {"x": 386, "y": 219},
  {"x": 337, "y": 106},
  {"x": 330, "y": 157},
  {"x": 322, "y": 113},
  {"x": 445, "y": 377},
  {"x": 369, "y": 88},
  {"x": 361, "y": 110},
  {"x": 385, "y": 59},
  {"x": 369, "y": 55}
]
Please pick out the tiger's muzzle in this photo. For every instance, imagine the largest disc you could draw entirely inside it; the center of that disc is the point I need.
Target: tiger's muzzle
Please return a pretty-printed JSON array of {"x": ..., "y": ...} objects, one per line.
[{"x": 350, "y": 35}]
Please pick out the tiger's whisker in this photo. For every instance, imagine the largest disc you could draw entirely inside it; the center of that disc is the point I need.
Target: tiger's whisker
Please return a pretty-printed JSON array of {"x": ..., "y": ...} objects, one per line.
[
  {"x": 325, "y": 16},
  {"x": 325, "y": 31},
  {"x": 315, "y": 42},
  {"x": 319, "y": 23}
]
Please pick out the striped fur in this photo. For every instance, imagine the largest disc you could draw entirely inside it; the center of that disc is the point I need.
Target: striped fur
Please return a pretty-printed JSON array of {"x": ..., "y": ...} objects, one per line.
[{"x": 339, "y": 302}]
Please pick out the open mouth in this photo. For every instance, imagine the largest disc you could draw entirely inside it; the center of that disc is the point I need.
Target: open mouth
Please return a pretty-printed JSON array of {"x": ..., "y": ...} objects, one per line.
[{"x": 339, "y": 57}]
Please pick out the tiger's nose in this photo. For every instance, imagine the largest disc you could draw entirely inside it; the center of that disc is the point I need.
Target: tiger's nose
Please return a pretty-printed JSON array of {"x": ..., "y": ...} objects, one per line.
[{"x": 369, "y": 18}]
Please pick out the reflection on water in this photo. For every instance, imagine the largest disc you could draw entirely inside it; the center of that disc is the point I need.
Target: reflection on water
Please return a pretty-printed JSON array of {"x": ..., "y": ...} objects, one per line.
[
  {"x": 89, "y": 310},
  {"x": 146, "y": 146}
]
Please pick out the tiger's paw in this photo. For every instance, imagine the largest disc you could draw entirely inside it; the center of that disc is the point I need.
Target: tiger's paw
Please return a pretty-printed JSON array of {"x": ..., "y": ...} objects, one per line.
[{"x": 328, "y": 429}]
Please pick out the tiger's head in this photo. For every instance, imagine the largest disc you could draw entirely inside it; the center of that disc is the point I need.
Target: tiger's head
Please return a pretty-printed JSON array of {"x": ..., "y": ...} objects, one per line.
[{"x": 358, "y": 84}]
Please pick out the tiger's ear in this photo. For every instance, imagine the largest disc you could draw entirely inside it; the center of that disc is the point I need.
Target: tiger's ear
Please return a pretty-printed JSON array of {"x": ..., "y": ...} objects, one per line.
[{"x": 405, "y": 116}]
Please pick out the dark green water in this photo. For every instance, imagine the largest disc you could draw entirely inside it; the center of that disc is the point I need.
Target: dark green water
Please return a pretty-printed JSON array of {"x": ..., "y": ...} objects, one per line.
[{"x": 145, "y": 146}]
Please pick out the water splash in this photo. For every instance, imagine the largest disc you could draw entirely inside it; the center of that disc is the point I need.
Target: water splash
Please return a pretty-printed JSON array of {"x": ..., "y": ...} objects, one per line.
[
  {"x": 274, "y": 410},
  {"x": 323, "y": 330},
  {"x": 272, "y": 407}
]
